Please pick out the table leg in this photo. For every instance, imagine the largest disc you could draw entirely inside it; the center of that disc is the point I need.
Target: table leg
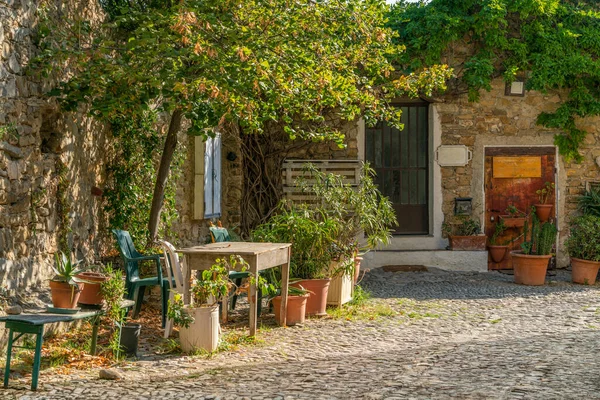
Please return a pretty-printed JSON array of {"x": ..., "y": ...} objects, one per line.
[
  {"x": 37, "y": 358},
  {"x": 285, "y": 280},
  {"x": 252, "y": 298},
  {"x": 187, "y": 276},
  {"x": 8, "y": 356},
  {"x": 95, "y": 325}
]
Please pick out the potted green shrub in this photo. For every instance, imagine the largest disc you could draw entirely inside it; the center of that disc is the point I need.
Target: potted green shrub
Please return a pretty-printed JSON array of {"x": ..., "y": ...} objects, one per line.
[
  {"x": 296, "y": 305},
  {"x": 361, "y": 212},
  {"x": 198, "y": 322},
  {"x": 531, "y": 263},
  {"x": 65, "y": 286},
  {"x": 542, "y": 209},
  {"x": 466, "y": 235},
  {"x": 583, "y": 245},
  {"x": 312, "y": 235},
  {"x": 498, "y": 251}
]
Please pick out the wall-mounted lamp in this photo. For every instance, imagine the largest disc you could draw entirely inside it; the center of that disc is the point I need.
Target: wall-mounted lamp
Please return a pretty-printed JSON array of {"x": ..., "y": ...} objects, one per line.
[{"x": 515, "y": 88}]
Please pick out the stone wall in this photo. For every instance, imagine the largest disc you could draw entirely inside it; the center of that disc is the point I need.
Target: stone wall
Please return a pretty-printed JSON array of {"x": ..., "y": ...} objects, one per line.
[
  {"x": 38, "y": 143},
  {"x": 499, "y": 120}
]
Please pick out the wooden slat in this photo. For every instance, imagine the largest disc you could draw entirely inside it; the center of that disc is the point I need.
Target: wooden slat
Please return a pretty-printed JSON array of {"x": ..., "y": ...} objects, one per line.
[{"x": 519, "y": 151}]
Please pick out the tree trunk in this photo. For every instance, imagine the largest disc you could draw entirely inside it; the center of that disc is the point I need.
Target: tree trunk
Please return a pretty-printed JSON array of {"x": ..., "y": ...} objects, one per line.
[{"x": 163, "y": 174}]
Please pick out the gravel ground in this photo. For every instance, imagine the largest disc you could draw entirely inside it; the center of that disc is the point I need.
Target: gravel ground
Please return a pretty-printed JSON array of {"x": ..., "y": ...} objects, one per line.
[{"x": 444, "y": 335}]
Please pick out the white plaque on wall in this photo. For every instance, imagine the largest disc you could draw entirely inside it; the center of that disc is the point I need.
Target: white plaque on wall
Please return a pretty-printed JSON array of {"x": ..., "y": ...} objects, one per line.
[{"x": 453, "y": 156}]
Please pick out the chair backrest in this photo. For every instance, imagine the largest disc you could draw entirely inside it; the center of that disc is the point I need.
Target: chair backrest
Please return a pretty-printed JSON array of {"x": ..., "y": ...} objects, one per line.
[
  {"x": 174, "y": 268},
  {"x": 219, "y": 234},
  {"x": 128, "y": 251}
]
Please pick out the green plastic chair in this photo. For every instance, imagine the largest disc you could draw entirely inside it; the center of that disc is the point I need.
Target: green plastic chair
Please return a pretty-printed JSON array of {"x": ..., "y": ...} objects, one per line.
[
  {"x": 220, "y": 234},
  {"x": 135, "y": 285}
]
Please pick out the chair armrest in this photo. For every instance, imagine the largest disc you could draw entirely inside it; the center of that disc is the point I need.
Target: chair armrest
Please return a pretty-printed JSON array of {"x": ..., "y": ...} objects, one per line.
[{"x": 155, "y": 257}]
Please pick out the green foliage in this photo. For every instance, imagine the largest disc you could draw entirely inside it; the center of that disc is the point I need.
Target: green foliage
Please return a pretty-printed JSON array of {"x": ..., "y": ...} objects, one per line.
[
  {"x": 113, "y": 291},
  {"x": 584, "y": 240},
  {"x": 131, "y": 175},
  {"x": 514, "y": 212},
  {"x": 65, "y": 269},
  {"x": 311, "y": 233},
  {"x": 176, "y": 312},
  {"x": 555, "y": 43},
  {"x": 361, "y": 209},
  {"x": 499, "y": 229},
  {"x": 545, "y": 192},
  {"x": 589, "y": 202}
]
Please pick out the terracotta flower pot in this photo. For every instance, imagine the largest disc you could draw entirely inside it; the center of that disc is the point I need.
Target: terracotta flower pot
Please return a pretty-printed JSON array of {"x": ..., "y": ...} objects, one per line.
[
  {"x": 529, "y": 269},
  {"x": 497, "y": 252},
  {"x": 513, "y": 222},
  {"x": 584, "y": 271},
  {"x": 317, "y": 299},
  {"x": 357, "y": 261},
  {"x": 65, "y": 295},
  {"x": 91, "y": 291},
  {"x": 296, "y": 309},
  {"x": 543, "y": 211},
  {"x": 467, "y": 243}
]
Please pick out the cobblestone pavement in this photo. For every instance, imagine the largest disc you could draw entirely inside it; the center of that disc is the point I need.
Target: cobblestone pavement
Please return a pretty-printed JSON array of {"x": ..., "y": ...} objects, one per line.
[{"x": 450, "y": 335}]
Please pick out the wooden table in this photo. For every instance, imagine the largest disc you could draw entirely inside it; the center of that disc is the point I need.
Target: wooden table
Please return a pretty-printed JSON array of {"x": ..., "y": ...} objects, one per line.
[{"x": 259, "y": 256}]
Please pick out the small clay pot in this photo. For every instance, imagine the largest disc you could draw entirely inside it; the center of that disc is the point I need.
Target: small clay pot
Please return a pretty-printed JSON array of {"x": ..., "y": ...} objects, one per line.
[
  {"x": 65, "y": 295},
  {"x": 91, "y": 294},
  {"x": 296, "y": 309},
  {"x": 543, "y": 211},
  {"x": 497, "y": 252}
]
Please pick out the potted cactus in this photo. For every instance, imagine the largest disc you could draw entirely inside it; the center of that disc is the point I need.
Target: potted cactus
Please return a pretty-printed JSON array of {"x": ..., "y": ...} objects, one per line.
[
  {"x": 498, "y": 251},
  {"x": 583, "y": 245},
  {"x": 542, "y": 209},
  {"x": 530, "y": 264},
  {"x": 66, "y": 286}
]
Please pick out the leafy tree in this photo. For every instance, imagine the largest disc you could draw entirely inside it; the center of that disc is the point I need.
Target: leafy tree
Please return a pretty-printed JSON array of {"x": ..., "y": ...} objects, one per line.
[
  {"x": 557, "y": 43},
  {"x": 295, "y": 65}
]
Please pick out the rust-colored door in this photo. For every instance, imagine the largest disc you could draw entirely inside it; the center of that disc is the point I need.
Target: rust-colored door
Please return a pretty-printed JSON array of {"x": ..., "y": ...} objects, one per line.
[{"x": 512, "y": 177}]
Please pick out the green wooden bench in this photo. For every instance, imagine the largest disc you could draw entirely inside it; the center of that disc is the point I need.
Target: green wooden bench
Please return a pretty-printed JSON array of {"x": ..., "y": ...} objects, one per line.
[{"x": 33, "y": 323}]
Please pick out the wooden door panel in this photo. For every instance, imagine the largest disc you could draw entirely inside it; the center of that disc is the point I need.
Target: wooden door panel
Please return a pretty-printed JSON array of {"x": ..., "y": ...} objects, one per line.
[{"x": 501, "y": 190}]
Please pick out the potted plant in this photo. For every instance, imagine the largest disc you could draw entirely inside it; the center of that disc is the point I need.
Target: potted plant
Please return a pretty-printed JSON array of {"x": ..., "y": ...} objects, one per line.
[
  {"x": 296, "y": 305},
  {"x": 312, "y": 235},
  {"x": 91, "y": 293},
  {"x": 542, "y": 209},
  {"x": 466, "y": 235},
  {"x": 498, "y": 251},
  {"x": 531, "y": 263},
  {"x": 199, "y": 321},
  {"x": 65, "y": 286},
  {"x": 514, "y": 218},
  {"x": 583, "y": 245},
  {"x": 361, "y": 213},
  {"x": 589, "y": 202}
]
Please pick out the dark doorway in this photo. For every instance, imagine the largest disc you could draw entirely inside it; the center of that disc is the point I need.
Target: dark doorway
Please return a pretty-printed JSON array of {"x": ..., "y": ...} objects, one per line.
[{"x": 401, "y": 160}]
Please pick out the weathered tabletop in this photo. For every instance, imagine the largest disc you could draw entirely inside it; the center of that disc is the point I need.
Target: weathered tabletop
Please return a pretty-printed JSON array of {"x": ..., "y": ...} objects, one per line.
[{"x": 259, "y": 256}]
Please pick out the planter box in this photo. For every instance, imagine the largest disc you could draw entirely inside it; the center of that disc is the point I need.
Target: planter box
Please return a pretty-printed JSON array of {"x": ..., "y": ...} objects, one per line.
[
  {"x": 467, "y": 243},
  {"x": 340, "y": 289},
  {"x": 513, "y": 222}
]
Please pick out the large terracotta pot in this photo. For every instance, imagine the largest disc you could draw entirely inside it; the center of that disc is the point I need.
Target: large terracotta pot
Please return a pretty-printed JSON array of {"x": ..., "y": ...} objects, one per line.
[
  {"x": 203, "y": 333},
  {"x": 296, "y": 309},
  {"x": 317, "y": 299},
  {"x": 529, "y": 269},
  {"x": 584, "y": 271},
  {"x": 497, "y": 252},
  {"x": 543, "y": 211},
  {"x": 65, "y": 295},
  {"x": 467, "y": 243},
  {"x": 91, "y": 294}
]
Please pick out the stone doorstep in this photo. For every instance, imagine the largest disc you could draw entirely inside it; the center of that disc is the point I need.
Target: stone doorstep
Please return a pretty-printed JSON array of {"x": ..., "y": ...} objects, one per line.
[{"x": 472, "y": 261}]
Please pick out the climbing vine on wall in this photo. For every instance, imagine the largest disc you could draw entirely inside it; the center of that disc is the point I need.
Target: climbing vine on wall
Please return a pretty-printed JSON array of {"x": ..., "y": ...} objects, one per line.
[{"x": 555, "y": 43}]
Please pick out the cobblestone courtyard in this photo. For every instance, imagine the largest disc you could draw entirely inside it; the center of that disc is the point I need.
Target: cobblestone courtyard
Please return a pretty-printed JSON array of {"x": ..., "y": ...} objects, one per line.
[{"x": 450, "y": 335}]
